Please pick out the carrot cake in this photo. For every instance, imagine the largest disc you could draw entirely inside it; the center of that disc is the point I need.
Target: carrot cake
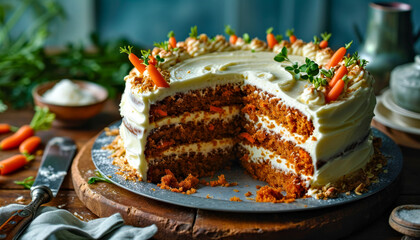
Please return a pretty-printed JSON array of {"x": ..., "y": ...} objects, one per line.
[{"x": 294, "y": 114}]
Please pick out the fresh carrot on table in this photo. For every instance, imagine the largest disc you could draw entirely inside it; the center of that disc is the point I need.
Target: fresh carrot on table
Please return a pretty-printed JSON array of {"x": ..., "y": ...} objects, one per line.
[
  {"x": 339, "y": 74},
  {"x": 14, "y": 163},
  {"x": 137, "y": 62},
  {"x": 6, "y": 128},
  {"x": 291, "y": 34},
  {"x": 171, "y": 39},
  {"x": 42, "y": 120},
  {"x": 271, "y": 39},
  {"x": 29, "y": 145},
  {"x": 335, "y": 92},
  {"x": 325, "y": 37},
  {"x": 338, "y": 55},
  {"x": 232, "y": 36}
]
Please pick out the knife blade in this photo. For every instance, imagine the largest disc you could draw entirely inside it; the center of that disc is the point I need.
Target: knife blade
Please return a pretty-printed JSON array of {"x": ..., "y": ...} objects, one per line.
[{"x": 56, "y": 160}]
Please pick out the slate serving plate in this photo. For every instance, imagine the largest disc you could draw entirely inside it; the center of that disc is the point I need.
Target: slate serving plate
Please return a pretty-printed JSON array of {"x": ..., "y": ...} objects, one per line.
[{"x": 220, "y": 196}]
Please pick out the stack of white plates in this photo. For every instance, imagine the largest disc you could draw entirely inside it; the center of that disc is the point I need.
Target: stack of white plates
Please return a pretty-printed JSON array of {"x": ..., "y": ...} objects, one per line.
[{"x": 388, "y": 113}]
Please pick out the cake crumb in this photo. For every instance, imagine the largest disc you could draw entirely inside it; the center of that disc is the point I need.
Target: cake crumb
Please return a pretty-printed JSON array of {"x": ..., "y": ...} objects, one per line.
[
  {"x": 186, "y": 186},
  {"x": 235, "y": 190},
  {"x": 250, "y": 199},
  {"x": 153, "y": 189},
  {"x": 20, "y": 200},
  {"x": 248, "y": 194},
  {"x": 208, "y": 196},
  {"x": 274, "y": 195},
  {"x": 221, "y": 181},
  {"x": 111, "y": 132},
  {"x": 258, "y": 187},
  {"x": 235, "y": 199}
]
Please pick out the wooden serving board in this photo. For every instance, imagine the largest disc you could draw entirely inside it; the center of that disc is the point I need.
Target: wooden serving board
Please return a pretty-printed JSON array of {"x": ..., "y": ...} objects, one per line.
[{"x": 175, "y": 222}]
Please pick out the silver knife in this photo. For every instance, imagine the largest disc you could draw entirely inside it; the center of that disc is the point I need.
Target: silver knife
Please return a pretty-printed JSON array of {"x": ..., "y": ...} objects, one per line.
[{"x": 56, "y": 161}]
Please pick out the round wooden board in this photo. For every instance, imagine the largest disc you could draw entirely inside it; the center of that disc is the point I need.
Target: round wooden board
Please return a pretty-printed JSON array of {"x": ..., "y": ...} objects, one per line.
[{"x": 175, "y": 222}]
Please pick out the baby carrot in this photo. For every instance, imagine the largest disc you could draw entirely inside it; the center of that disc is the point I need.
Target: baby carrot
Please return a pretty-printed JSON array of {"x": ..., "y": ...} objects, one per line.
[
  {"x": 14, "y": 163},
  {"x": 338, "y": 75},
  {"x": 172, "y": 40},
  {"x": 338, "y": 55},
  {"x": 232, "y": 36},
  {"x": 247, "y": 136},
  {"x": 42, "y": 120},
  {"x": 29, "y": 145},
  {"x": 291, "y": 34},
  {"x": 157, "y": 78},
  {"x": 325, "y": 37},
  {"x": 17, "y": 138},
  {"x": 271, "y": 39},
  {"x": 335, "y": 92},
  {"x": 5, "y": 128},
  {"x": 137, "y": 63}
]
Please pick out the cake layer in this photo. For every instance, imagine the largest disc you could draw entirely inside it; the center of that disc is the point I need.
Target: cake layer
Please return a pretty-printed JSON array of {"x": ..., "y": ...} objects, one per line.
[
  {"x": 257, "y": 102},
  {"x": 265, "y": 167},
  {"x": 203, "y": 130},
  {"x": 197, "y": 163}
]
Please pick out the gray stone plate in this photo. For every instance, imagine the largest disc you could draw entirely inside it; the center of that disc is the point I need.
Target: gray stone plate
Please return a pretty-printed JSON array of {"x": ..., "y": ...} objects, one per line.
[{"x": 220, "y": 196}]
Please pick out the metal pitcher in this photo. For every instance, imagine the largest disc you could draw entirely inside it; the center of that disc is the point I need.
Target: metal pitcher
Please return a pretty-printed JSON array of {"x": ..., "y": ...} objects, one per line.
[{"x": 389, "y": 40}]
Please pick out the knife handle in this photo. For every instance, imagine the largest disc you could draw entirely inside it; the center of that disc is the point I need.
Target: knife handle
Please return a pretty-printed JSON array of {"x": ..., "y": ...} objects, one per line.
[{"x": 14, "y": 226}]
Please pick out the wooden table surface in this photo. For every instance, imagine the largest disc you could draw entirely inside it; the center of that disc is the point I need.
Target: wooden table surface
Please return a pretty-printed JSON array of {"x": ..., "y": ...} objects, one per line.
[{"x": 67, "y": 198}]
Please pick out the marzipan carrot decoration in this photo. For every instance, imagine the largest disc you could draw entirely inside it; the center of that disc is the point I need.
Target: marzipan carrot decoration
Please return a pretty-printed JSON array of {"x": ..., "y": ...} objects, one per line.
[
  {"x": 232, "y": 36},
  {"x": 335, "y": 92},
  {"x": 338, "y": 55},
  {"x": 42, "y": 120},
  {"x": 325, "y": 37},
  {"x": 291, "y": 34},
  {"x": 137, "y": 63},
  {"x": 171, "y": 39},
  {"x": 339, "y": 74},
  {"x": 6, "y": 128},
  {"x": 29, "y": 145},
  {"x": 157, "y": 78},
  {"x": 14, "y": 163},
  {"x": 271, "y": 39}
]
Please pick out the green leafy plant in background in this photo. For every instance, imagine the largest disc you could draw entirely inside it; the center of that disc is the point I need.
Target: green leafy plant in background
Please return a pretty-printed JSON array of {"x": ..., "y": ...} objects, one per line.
[{"x": 24, "y": 62}]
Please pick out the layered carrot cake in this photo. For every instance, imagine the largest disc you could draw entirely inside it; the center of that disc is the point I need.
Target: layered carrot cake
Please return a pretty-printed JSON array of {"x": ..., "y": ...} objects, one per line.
[{"x": 294, "y": 114}]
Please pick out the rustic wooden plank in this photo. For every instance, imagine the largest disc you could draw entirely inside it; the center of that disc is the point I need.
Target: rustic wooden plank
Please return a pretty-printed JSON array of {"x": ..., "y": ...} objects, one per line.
[{"x": 104, "y": 199}]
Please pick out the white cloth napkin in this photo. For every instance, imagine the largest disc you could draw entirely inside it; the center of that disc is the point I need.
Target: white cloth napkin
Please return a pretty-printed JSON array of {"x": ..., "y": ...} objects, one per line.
[{"x": 55, "y": 224}]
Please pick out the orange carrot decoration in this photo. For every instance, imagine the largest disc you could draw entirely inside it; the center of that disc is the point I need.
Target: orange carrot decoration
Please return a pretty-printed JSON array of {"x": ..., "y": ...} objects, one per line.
[
  {"x": 157, "y": 78},
  {"x": 325, "y": 37},
  {"x": 6, "y": 128},
  {"x": 42, "y": 120},
  {"x": 335, "y": 92},
  {"x": 137, "y": 63},
  {"x": 232, "y": 36},
  {"x": 14, "y": 163},
  {"x": 338, "y": 75},
  {"x": 172, "y": 40},
  {"x": 271, "y": 39},
  {"x": 247, "y": 136},
  {"x": 291, "y": 34},
  {"x": 29, "y": 145},
  {"x": 338, "y": 55}
]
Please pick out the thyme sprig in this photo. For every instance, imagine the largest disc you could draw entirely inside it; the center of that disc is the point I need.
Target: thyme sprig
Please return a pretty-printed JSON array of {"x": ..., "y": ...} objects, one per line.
[
  {"x": 98, "y": 178},
  {"x": 307, "y": 71}
]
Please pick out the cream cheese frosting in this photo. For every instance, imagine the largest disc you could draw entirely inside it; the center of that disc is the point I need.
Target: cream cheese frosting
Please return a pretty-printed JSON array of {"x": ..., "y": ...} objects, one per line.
[{"x": 337, "y": 125}]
